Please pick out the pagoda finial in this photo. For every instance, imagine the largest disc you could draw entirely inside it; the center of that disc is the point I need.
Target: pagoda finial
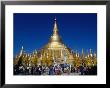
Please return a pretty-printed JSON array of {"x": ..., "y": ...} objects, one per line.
[{"x": 55, "y": 19}]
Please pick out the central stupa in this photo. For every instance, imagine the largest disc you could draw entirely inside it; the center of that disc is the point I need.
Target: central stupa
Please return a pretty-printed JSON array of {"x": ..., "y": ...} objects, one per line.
[{"x": 55, "y": 50}]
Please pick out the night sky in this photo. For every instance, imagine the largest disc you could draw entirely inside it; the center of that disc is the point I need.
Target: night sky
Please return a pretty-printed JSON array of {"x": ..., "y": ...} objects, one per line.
[{"x": 33, "y": 30}]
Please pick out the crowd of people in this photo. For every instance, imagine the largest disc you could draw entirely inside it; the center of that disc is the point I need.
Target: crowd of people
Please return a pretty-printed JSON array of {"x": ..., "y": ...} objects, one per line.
[{"x": 55, "y": 70}]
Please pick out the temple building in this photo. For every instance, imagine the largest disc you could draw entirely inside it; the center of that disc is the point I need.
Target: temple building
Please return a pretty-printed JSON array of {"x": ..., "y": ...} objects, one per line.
[{"x": 55, "y": 52}]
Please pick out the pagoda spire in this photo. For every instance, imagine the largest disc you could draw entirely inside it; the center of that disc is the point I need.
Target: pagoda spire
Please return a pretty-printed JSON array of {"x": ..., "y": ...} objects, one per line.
[
  {"x": 76, "y": 53},
  {"x": 82, "y": 51},
  {"x": 55, "y": 36},
  {"x": 94, "y": 54},
  {"x": 90, "y": 52},
  {"x": 22, "y": 50},
  {"x": 55, "y": 29}
]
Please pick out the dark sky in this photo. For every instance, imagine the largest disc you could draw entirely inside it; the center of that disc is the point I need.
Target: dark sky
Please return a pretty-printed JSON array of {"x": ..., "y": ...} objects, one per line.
[{"x": 33, "y": 30}]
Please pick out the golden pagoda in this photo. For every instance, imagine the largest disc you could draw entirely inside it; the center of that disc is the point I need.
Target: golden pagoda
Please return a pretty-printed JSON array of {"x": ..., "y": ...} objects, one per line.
[{"x": 55, "y": 50}]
